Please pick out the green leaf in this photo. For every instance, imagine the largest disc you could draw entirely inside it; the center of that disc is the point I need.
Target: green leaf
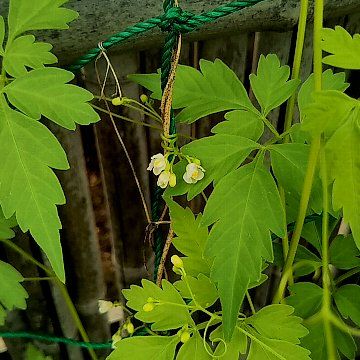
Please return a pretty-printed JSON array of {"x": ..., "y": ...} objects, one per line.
[
  {"x": 330, "y": 81},
  {"x": 194, "y": 349},
  {"x": 343, "y": 252},
  {"x": 312, "y": 233},
  {"x": 39, "y": 15},
  {"x": 347, "y": 299},
  {"x": 344, "y": 49},
  {"x": 247, "y": 124},
  {"x": 191, "y": 239},
  {"x": 25, "y": 52},
  {"x": 203, "y": 289},
  {"x": 244, "y": 206},
  {"x": 219, "y": 155},
  {"x": 29, "y": 151},
  {"x": 344, "y": 162},
  {"x": 171, "y": 313},
  {"x": 271, "y": 84},
  {"x": 152, "y": 82},
  {"x": 289, "y": 162},
  {"x": 12, "y": 294},
  {"x": 5, "y": 226},
  {"x": 33, "y": 353},
  {"x": 145, "y": 347},
  {"x": 45, "y": 92},
  {"x": 277, "y": 322},
  {"x": 329, "y": 111},
  {"x": 233, "y": 349},
  {"x": 305, "y": 298},
  {"x": 2, "y": 34}
]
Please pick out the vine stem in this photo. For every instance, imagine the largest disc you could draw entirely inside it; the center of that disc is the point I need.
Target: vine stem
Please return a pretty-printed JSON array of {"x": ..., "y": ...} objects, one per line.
[
  {"x": 313, "y": 157},
  {"x": 63, "y": 290},
  {"x": 348, "y": 274}
]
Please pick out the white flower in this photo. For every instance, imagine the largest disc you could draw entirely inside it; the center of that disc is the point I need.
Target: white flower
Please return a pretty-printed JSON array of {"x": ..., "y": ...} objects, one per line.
[
  {"x": 164, "y": 179},
  {"x": 194, "y": 173},
  {"x": 158, "y": 164},
  {"x": 105, "y": 306}
]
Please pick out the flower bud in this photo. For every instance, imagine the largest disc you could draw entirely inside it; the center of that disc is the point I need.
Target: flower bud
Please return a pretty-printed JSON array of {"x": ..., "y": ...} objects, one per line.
[
  {"x": 177, "y": 262},
  {"x": 148, "y": 307},
  {"x": 185, "y": 337},
  {"x": 144, "y": 99},
  {"x": 130, "y": 328},
  {"x": 172, "y": 181},
  {"x": 176, "y": 270},
  {"x": 116, "y": 101},
  {"x": 115, "y": 339}
]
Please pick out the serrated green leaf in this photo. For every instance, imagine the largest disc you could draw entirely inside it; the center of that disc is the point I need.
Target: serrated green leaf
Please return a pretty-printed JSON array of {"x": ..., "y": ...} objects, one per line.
[
  {"x": 342, "y": 153},
  {"x": 344, "y": 49},
  {"x": 343, "y": 252},
  {"x": 46, "y": 92},
  {"x": 330, "y": 81},
  {"x": 191, "y": 239},
  {"x": 277, "y": 322},
  {"x": 152, "y": 82},
  {"x": 145, "y": 347},
  {"x": 271, "y": 84},
  {"x": 305, "y": 298},
  {"x": 312, "y": 233},
  {"x": 39, "y": 15},
  {"x": 33, "y": 191},
  {"x": 33, "y": 353},
  {"x": 247, "y": 124},
  {"x": 219, "y": 155},
  {"x": 170, "y": 314},
  {"x": 241, "y": 234},
  {"x": 12, "y": 294},
  {"x": 6, "y": 226},
  {"x": 24, "y": 52},
  {"x": 202, "y": 288},
  {"x": 2, "y": 35},
  {"x": 329, "y": 111},
  {"x": 347, "y": 299},
  {"x": 289, "y": 162},
  {"x": 233, "y": 349},
  {"x": 194, "y": 349}
]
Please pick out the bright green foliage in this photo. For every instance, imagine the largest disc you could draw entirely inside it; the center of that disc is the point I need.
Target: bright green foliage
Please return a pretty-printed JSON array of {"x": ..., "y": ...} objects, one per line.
[
  {"x": 277, "y": 334},
  {"x": 25, "y": 52},
  {"x": 33, "y": 353},
  {"x": 343, "y": 252},
  {"x": 271, "y": 84},
  {"x": 312, "y": 234},
  {"x": 242, "y": 123},
  {"x": 12, "y": 294},
  {"x": 343, "y": 157},
  {"x": 330, "y": 81},
  {"x": 203, "y": 290},
  {"x": 241, "y": 234},
  {"x": 44, "y": 14},
  {"x": 305, "y": 298},
  {"x": 2, "y": 34},
  {"x": 194, "y": 349},
  {"x": 219, "y": 155},
  {"x": 170, "y": 310},
  {"x": 29, "y": 151},
  {"x": 344, "y": 49},
  {"x": 152, "y": 82},
  {"x": 145, "y": 347},
  {"x": 6, "y": 226},
  {"x": 289, "y": 162},
  {"x": 233, "y": 349},
  {"x": 347, "y": 299},
  {"x": 45, "y": 92},
  {"x": 191, "y": 239}
]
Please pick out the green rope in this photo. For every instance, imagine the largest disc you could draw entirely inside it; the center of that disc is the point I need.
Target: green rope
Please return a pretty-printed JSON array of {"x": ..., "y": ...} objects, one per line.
[{"x": 173, "y": 18}]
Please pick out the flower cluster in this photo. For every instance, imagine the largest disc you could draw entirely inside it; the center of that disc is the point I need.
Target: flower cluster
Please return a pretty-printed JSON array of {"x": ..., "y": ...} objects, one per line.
[{"x": 162, "y": 167}]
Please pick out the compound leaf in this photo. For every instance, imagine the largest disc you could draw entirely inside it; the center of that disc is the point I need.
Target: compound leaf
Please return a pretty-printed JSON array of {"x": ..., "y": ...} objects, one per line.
[
  {"x": 145, "y": 347},
  {"x": 194, "y": 349},
  {"x": 168, "y": 315},
  {"x": 25, "y": 52},
  {"x": 12, "y": 294},
  {"x": 347, "y": 299},
  {"x": 46, "y": 92},
  {"x": 241, "y": 233},
  {"x": 344, "y": 49},
  {"x": 271, "y": 84},
  {"x": 343, "y": 252},
  {"x": 39, "y": 15}
]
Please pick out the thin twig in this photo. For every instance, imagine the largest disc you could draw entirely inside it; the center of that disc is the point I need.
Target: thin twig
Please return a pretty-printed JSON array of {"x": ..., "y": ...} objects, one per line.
[{"x": 164, "y": 256}]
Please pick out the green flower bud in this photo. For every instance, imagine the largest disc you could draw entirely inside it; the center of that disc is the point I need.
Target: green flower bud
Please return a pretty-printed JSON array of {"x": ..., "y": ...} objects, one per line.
[
  {"x": 177, "y": 262},
  {"x": 144, "y": 99},
  {"x": 185, "y": 337}
]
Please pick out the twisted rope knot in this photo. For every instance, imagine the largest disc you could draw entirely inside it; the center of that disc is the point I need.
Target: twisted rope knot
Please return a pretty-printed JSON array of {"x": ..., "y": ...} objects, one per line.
[{"x": 177, "y": 20}]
